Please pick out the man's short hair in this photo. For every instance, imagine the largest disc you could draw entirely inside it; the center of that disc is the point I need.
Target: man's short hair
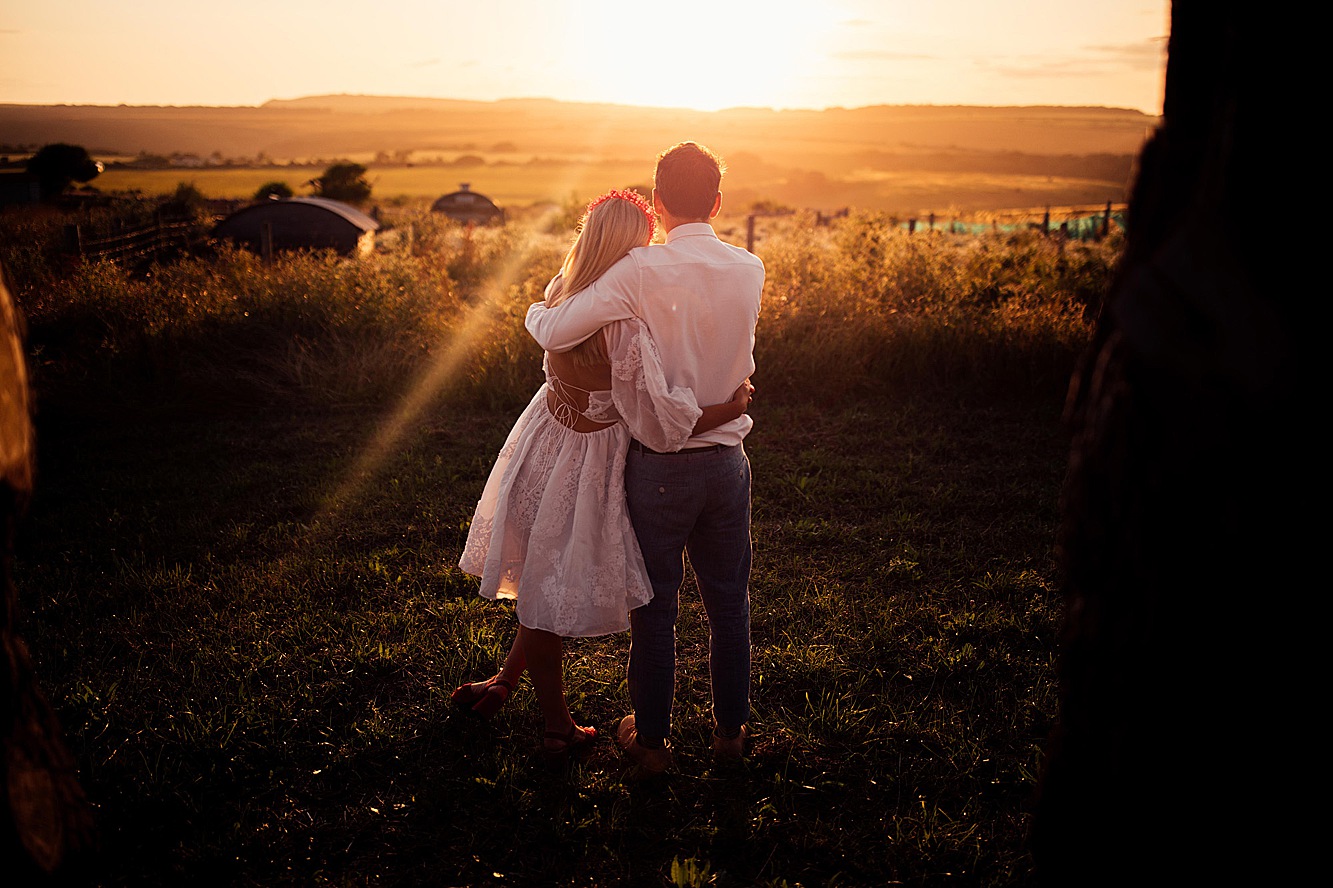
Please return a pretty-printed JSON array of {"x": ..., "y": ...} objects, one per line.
[{"x": 687, "y": 179}]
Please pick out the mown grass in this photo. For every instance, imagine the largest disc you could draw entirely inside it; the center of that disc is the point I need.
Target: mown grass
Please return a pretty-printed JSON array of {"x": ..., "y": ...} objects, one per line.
[{"x": 247, "y": 611}]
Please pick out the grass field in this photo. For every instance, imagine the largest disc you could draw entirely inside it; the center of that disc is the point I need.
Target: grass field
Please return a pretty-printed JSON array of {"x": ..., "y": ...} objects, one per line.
[
  {"x": 516, "y": 185},
  {"x": 240, "y": 585},
  {"x": 257, "y": 688}
]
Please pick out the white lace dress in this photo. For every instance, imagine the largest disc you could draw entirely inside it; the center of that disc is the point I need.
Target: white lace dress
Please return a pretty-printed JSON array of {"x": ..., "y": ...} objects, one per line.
[{"x": 551, "y": 529}]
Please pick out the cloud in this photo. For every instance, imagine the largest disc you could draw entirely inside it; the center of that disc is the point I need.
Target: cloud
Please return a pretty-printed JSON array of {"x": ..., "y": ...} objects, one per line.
[
  {"x": 1071, "y": 67},
  {"x": 423, "y": 64},
  {"x": 1095, "y": 61},
  {"x": 1141, "y": 55}
]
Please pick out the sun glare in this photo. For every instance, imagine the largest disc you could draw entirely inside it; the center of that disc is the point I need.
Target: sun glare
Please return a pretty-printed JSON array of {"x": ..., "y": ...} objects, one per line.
[
  {"x": 704, "y": 54},
  {"x": 437, "y": 375}
]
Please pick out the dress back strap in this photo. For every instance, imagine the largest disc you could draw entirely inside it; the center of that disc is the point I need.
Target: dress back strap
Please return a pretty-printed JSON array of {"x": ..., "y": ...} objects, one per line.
[{"x": 566, "y": 410}]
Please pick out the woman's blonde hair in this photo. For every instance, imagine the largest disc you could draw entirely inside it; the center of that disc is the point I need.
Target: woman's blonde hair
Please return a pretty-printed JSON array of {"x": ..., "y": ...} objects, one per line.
[{"x": 613, "y": 224}]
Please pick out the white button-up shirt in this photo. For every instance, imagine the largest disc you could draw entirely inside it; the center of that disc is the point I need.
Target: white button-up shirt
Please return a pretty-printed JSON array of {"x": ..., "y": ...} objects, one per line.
[{"x": 700, "y": 300}]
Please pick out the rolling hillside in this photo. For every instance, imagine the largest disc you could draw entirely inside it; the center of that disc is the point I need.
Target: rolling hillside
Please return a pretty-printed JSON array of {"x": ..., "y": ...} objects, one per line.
[{"x": 898, "y": 158}]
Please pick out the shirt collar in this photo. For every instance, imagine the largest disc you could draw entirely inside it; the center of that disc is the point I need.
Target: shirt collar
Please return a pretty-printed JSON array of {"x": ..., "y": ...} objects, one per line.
[{"x": 691, "y": 229}]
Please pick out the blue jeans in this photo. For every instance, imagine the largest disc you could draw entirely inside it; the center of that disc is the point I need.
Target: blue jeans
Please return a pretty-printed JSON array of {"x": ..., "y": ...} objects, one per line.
[{"x": 697, "y": 503}]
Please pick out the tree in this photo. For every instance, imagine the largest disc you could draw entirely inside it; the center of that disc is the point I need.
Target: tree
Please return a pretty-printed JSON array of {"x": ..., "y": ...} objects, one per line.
[
  {"x": 57, "y": 165},
  {"x": 345, "y": 181},
  {"x": 185, "y": 202},
  {"x": 273, "y": 190},
  {"x": 1184, "y": 545}
]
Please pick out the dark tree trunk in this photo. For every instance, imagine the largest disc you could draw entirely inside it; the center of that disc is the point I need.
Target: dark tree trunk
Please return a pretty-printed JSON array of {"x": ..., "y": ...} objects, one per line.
[
  {"x": 45, "y": 821},
  {"x": 1178, "y": 521}
]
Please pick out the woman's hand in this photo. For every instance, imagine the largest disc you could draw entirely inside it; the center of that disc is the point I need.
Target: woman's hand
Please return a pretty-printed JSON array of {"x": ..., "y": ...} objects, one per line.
[
  {"x": 552, "y": 294},
  {"x": 720, "y": 414},
  {"x": 742, "y": 396}
]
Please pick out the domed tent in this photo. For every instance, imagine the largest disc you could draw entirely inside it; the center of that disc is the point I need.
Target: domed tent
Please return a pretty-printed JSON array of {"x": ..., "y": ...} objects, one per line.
[
  {"x": 466, "y": 205},
  {"x": 301, "y": 223}
]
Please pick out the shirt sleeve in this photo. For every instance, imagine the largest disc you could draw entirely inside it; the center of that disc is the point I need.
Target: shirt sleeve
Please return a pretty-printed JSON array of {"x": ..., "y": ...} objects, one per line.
[
  {"x": 659, "y": 415},
  {"x": 609, "y": 298}
]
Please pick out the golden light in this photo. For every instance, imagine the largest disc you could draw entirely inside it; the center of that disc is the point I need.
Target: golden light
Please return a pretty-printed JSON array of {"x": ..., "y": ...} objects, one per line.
[
  {"x": 448, "y": 359},
  {"x": 703, "y": 54},
  {"x": 445, "y": 364}
]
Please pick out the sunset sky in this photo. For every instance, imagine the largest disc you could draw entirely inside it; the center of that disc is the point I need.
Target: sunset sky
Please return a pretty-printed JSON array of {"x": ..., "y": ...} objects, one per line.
[{"x": 704, "y": 54}]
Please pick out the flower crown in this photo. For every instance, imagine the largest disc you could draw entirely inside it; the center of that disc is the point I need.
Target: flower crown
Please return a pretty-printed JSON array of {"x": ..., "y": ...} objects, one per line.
[{"x": 633, "y": 197}]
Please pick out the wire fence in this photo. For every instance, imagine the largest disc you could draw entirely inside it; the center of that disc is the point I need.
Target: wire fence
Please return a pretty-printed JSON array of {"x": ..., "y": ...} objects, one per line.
[
  {"x": 1074, "y": 223},
  {"x": 1078, "y": 223},
  {"x": 134, "y": 244}
]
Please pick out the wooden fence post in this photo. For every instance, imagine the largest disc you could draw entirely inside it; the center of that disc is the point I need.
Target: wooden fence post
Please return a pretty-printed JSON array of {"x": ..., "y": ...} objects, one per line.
[
  {"x": 74, "y": 239},
  {"x": 749, "y": 233}
]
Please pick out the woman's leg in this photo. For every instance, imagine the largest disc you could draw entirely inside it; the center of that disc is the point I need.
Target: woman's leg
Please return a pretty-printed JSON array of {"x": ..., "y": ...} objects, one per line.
[
  {"x": 515, "y": 664},
  {"x": 545, "y": 652}
]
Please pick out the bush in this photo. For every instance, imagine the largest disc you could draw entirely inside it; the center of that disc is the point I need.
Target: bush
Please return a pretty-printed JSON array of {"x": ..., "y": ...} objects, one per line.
[
  {"x": 344, "y": 181},
  {"x": 272, "y": 190},
  {"x": 186, "y": 202}
]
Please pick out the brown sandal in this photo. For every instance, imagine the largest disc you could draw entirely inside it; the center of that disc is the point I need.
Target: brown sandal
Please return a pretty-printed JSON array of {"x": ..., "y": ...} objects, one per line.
[
  {"x": 575, "y": 740},
  {"x": 485, "y": 702}
]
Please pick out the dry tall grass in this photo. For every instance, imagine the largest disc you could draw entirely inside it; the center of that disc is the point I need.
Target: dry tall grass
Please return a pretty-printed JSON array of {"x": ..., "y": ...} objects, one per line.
[
  {"x": 863, "y": 305},
  {"x": 850, "y": 308}
]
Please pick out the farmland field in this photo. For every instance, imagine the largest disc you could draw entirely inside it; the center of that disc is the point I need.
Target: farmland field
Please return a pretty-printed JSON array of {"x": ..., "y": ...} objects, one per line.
[
  {"x": 507, "y": 185},
  {"x": 522, "y": 185}
]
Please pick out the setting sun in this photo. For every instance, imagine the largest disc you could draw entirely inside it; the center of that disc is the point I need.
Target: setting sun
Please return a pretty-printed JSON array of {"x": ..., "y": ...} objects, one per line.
[{"x": 703, "y": 54}]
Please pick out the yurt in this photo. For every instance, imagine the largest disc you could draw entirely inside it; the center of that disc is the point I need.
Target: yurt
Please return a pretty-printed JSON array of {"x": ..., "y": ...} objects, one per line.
[
  {"x": 466, "y": 205},
  {"x": 301, "y": 223}
]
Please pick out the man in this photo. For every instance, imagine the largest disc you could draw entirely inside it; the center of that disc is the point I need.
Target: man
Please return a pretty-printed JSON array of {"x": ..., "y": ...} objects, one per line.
[{"x": 699, "y": 298}]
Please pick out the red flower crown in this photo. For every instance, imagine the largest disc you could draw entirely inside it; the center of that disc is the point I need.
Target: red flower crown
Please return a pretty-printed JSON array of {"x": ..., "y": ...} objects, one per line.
[{"x": 633, "y": 197}]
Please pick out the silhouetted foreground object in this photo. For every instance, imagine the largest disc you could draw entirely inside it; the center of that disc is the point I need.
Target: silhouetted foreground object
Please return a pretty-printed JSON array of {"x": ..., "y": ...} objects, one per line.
[
  {"x": 45, "y": 822},
  {"x": 57, "y": 165},
  {"x": 1179, "y": 546}
]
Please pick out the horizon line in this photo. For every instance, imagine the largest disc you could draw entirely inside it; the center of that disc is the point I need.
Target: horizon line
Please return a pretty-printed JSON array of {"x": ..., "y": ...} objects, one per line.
[{"x": 552, "y": 100}]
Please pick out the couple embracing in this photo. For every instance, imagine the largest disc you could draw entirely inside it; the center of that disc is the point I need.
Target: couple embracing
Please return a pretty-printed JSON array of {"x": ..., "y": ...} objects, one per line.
[{"x": 628, "y": 458}]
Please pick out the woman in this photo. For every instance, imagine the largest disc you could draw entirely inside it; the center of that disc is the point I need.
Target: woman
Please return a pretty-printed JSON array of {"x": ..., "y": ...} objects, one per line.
[{"x": 551, "y": 529}]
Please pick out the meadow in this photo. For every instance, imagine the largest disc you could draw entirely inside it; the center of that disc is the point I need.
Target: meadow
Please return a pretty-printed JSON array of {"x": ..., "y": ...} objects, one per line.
[{"x": 239, "y": 575}]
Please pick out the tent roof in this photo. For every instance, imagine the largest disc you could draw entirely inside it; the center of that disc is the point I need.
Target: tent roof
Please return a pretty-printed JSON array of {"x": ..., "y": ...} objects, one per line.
[
  {"x": 344, "y": 211},
  {"x": 347, "y": 211}
]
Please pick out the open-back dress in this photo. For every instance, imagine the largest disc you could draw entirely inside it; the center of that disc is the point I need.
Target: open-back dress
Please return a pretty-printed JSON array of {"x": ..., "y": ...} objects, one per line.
[{"x": 551, "y": 529}]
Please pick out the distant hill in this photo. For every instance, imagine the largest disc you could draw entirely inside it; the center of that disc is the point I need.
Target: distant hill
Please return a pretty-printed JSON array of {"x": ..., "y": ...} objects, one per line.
[
  {"x": 831, "y": 155},
  {"x": 326, "y": 125}
]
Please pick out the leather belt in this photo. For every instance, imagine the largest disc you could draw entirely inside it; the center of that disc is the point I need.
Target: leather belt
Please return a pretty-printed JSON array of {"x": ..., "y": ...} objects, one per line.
[{"x": 711, "y": 448}]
